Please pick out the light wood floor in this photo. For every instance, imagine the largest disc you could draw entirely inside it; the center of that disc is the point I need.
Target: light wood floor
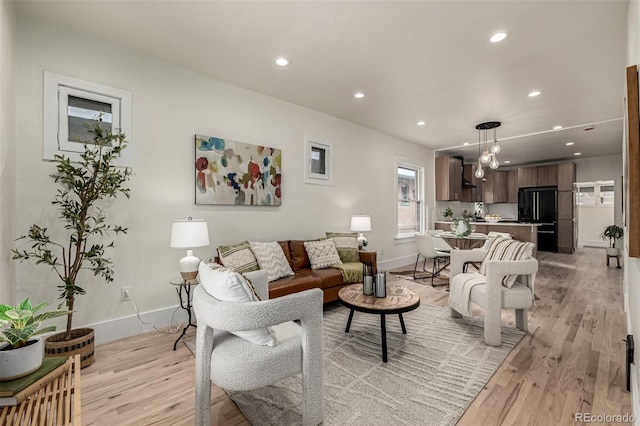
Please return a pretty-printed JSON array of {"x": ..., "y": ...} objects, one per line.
[{"x": 571, "y": 361}]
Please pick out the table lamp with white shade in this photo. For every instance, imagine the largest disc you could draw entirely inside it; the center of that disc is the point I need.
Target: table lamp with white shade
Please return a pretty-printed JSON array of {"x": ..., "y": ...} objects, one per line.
[
  {"x": 360, "y": 224},
  {"x": 188, "y": 234}
]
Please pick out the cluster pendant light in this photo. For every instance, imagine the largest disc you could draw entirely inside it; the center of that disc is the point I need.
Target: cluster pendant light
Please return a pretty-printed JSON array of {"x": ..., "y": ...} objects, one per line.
[{"x": 489, "y": 153}]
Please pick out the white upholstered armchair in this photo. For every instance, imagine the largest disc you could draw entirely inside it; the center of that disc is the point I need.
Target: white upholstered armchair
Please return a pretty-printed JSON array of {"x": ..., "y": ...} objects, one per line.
[
  {"x": 488, "y": 291},
  {"x": 234, "y": 363}
]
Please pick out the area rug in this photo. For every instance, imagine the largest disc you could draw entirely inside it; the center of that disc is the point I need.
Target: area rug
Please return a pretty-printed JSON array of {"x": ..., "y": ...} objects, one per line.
[
  {"x": 434, "y": 371},
  {"x": 441, "y": 281}
]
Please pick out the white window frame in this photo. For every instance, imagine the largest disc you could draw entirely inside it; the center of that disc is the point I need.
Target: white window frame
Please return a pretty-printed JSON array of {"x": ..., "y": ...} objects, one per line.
[
  {"x": 325, "y": 178},
  {"x": 408, "y": 164},
  {"x": 57, "y": 88},
  {"x": 597, "y": 193}
]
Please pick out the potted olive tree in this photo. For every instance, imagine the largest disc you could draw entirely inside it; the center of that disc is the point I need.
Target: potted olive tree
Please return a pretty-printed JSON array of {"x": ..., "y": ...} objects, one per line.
[
  {"x": 80, "y": 196},
  {"x": 612, "y": 233},
  {"x": 20, "y": 346}
]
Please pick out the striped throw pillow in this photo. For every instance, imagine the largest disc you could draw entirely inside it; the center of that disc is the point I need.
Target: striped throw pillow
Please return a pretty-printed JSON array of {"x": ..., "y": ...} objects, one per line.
[
  {"x": 238, "y": 257},
  {"x": 507, "y": 249}
]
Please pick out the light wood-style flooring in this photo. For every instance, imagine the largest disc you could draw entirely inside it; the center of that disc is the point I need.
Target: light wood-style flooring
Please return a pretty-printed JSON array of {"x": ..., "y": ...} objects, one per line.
[{"x": 571, "y": 361}]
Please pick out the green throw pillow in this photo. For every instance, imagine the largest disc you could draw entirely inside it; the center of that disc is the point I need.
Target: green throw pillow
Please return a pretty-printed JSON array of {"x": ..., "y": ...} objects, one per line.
[{"x": 346, "y": 244}]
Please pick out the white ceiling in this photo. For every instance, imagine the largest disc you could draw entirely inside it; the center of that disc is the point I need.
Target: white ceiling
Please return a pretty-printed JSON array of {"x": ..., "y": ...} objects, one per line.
[{"x": 418, "y": 60}]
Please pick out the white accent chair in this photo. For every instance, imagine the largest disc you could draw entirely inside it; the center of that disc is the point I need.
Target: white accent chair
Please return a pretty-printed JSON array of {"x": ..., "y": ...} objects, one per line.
[
  {"x": 236, "y": 364},
  {"x": 490, "y": 294},
  {"x": 427, "y": 249}
]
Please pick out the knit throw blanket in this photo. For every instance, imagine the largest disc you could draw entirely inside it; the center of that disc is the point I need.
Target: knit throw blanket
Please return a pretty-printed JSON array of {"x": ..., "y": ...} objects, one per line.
[{"x": 351, "y": 271}]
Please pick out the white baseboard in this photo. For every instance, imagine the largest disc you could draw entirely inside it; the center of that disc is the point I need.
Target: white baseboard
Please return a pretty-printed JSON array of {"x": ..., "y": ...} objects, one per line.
[
  {"x": 397, "y": 262},
  {"x": 119, "y": 328},
  {"x": 592, "y": 243}
]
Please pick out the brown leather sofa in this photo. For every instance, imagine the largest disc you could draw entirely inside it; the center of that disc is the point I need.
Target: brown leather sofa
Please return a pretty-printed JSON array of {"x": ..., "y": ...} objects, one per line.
[{"x": 329, "y": 280}]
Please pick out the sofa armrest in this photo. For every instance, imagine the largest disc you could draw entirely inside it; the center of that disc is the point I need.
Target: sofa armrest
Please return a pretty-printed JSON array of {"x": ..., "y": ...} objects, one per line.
[
  {"x": 304, "y": 306},
  {"x": 497, "y": 269},
  {"x": 460, "y": 257}
]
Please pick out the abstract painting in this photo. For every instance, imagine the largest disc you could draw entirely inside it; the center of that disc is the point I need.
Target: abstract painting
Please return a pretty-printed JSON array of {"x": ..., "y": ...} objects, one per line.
[{"x": 236, "y": 173}]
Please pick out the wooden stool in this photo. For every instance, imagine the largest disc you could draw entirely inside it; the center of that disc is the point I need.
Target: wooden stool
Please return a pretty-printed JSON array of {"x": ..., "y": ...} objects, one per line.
[{"x": 617, "y": 260}]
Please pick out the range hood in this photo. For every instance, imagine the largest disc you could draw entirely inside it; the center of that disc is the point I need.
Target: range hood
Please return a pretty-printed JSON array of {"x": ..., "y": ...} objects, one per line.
[{"x": 465, "y": 182}]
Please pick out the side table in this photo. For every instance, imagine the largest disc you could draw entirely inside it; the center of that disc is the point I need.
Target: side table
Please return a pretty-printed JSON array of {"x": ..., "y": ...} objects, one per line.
[
  {"x": 58, "y": 403},
  {"x": 369, "y": 258},
  {"x": 184, "y": 286}
]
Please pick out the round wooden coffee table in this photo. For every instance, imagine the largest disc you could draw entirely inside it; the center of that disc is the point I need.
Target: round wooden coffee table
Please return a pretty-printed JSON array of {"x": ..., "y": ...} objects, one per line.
[{"x": 399, "y": 299}]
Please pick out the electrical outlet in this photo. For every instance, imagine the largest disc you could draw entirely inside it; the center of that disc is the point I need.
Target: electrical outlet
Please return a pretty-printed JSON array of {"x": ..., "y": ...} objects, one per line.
[
  {"x": 125, "y": 294},
  {"x": 381, "y": 252}
]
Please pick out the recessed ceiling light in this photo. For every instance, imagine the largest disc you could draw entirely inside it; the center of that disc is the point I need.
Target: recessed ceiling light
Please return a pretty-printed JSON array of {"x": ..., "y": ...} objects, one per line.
[
  {"x": 499, "y": 36},
  {"x": 557, "y": 127},
  {"x": 358, "y": 95},
  {"x": 577, "y": 153},
  {"x": 421, "y": 123},
  {"x": 466, "y": 144},
  {"x": 534, "y": 93},
  {"x": 569, "y": 143},
  {"x": 507, "y": 162},
  {"x": 283, "y": 62}
]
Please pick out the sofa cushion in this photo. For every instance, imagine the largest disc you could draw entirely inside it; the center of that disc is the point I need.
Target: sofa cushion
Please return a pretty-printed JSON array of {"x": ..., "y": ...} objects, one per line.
[
  {"x": 346, "y": 244},
  {"x": 322, "y": 253},
  {"x": 229, "y": 286},
  {"x": 299, "y": 257},
  {"x": 330, "y": 277},
  {"x": 507, "y": 249},
  {"x": 293, "y": 284},
  {"x": 271, "y": 258},
  {"x": 238, "y": 257}
]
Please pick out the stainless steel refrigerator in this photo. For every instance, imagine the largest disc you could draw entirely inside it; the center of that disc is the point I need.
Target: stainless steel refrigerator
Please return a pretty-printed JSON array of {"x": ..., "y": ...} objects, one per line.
[{"x": 540, "y": 205}]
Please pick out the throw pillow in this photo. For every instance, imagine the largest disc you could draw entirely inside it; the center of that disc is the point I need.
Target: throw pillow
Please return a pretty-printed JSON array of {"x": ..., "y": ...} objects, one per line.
[
  {"x": 322, "y": 253},
  {"x": 507, "y": 249},
  {"x": 229, "y": 286},
  {"x": 238, "y": 257},
  {"x": 346, "y": 244},
  {"x": 272, "y": 259}
]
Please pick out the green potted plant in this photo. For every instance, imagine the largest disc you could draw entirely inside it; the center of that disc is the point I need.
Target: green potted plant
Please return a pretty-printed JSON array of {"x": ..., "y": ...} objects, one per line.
[
  {"x": 20, "y": 350},
  {"x": 83, "y": 188},
  {"x": 612, "y": 233},
  {"x": 448, "y": 214}
]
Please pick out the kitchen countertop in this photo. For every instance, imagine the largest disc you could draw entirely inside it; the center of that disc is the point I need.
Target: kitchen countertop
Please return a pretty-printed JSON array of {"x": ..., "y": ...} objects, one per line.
[{"x": 493, "y": 224}]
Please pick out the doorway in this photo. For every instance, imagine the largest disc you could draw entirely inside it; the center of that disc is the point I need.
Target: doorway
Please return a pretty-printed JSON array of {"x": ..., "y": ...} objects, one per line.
[{"x": 595, "y": 211}]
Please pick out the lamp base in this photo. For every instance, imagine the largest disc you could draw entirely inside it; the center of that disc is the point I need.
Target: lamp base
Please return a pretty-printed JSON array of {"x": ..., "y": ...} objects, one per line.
[
  {"x": 362, "y": 240},
  {"x": 188, "y": 276},
  {"x": 189, "y": 266}
]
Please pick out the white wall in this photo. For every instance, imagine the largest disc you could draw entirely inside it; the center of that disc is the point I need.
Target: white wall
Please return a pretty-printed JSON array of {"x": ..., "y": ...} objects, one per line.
[
  {"x": 632, "y": 265},
  {"x": 170, "y": 105},
  {"x": 7, "y": 152}
]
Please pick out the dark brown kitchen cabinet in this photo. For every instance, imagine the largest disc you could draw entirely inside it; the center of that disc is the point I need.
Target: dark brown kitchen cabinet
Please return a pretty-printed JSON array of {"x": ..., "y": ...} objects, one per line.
[
  {"x": 566, "y": 176},
  {"x": 471, "y": 194},
  {"x": 512, "y": 186},
  {"x": 494, "y": 187},
  {"x": 448, "y": 179},
  {"x": 527, "y": 177},
  {"x": 548, "y": 175},
  {"x": 565, "y": 205},
  {"x": 566, "y": 236}
]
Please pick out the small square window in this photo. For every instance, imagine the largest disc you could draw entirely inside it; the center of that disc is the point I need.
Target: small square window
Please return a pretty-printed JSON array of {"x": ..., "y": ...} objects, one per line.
[
  {"x": 318, "y": 163},
  {"x": 71, "y": 104}
]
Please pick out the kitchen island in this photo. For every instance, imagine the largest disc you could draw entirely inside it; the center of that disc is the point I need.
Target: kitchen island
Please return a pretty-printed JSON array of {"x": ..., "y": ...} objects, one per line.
[{"x": 518, "y": 231}]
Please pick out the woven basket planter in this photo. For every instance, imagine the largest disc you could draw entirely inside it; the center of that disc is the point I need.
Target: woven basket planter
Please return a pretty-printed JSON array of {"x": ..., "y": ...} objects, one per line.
[{"x": 82, "y": 342}]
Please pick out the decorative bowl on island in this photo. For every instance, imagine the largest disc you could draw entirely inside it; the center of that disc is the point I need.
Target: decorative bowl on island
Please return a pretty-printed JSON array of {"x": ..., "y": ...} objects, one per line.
[{"x": 492, "y": 218}]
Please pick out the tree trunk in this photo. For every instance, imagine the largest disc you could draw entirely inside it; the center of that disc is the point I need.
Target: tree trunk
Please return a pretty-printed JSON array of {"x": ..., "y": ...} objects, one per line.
[{"x": 70, "y": 300}]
